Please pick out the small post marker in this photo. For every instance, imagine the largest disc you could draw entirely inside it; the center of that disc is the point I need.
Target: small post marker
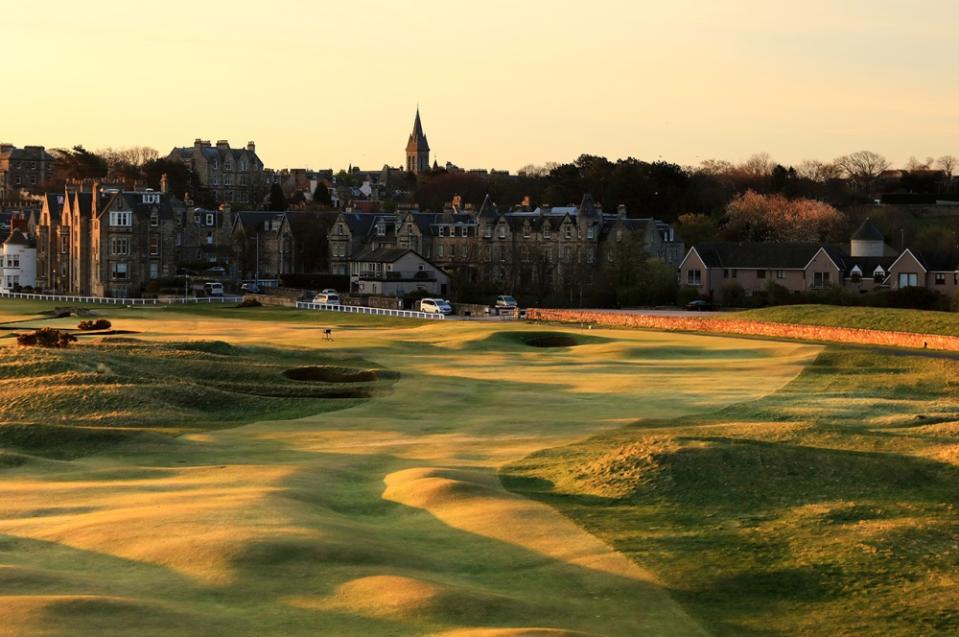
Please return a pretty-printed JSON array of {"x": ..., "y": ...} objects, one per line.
[{"x": 328, "y": 334}]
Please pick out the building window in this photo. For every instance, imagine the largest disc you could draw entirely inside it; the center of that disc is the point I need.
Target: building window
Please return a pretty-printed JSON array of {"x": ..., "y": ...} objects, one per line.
[
  {"x": 502, "y": 232},
  {"x": 780, "y": 274},
  {"x": 119, "y": 271},
  {"x": 13, "y": 261},
  {"x": 589, "y": 232},
  {"x": 590, "y": 257},
  {"x": 546, "y": 232},
  {"x": 209, "y": 238},
  {"x": 694, "y": 277},
  {"x": 154, "y": 245},
  {"x": 381, "y": 230},
  {"x": 154, "y": 270},
  {"x": 121, "y": 219},
  {"x": 442, "y": 231},
  {"x": 440, "y": 252},
  {"x": 154, "y": 218},
  {"x": 908, "y": 280},
  {"x": 820, "y": 279},
  {"x": 209, "y": 218},
  {"x": 940, "y": 278},
  {"x": 526, "y": 232},
  {"x": 878, "y": 275},
  {"x": 487, "y": 232},
  {"x": 120, "y": 246},
  {"x": 760, "y": 274},
  {"x": 568, "y": 233}
]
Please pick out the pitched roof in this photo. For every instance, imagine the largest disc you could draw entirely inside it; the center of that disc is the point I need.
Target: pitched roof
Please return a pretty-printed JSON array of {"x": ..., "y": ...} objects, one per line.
[
  {"x": 17, "y": 238},
  {"x": 868, "y": 232},
  {"x": 728, "y": 254}
]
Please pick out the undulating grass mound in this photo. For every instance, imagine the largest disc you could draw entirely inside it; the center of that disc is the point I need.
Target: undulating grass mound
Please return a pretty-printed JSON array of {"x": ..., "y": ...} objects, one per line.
[
  {"x": 867, "y": 318},
  {"x": 99, "y": 394},
  {"x": 827, "y": 507}
]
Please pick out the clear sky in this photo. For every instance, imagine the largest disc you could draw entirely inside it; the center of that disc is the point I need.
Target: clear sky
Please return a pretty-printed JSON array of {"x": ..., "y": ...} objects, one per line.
[{"x": 500, "y": 83}]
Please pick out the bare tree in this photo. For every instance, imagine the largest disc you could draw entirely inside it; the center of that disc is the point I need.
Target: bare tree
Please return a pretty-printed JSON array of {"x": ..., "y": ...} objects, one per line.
[
  {"x": 818, "y": 171},
  {"x": 914, "y": 164},
  {"x": 947, "y": 164},
  {"x": 758, "y": 165},
  {"x": 862, "y": 167}
]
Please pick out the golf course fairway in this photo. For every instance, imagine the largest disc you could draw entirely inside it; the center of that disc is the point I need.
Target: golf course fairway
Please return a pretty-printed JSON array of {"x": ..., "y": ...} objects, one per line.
[{"x": 382, "y": 517}]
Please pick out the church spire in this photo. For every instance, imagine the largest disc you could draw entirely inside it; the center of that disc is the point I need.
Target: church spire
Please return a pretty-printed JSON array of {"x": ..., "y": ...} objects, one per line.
[{"x": 417, "y": 148}]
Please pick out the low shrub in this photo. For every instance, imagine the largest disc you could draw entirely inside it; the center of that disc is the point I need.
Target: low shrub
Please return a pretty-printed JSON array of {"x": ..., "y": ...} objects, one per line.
[
  {"x": 250, "y": 303},
  {"x": 99, "y": 324},
  {"x": 733, "y": 294},
  {"x": 46, "y": 337}
]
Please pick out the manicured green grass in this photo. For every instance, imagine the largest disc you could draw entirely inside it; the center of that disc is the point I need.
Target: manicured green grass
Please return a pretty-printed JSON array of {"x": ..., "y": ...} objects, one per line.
[
  {"x": 829, "y": 507},
  {"x": 869, "y": 318}
]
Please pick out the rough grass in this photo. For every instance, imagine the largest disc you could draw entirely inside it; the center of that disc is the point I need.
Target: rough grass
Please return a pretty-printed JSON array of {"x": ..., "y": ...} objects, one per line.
[
  {"x": 828, "y": 507},
  {"x": 98, "y": 394},
  {"x": 869, "y": 318}
]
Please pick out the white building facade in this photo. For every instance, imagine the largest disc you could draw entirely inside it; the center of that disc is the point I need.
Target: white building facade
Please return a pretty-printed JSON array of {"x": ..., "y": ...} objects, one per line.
[{"x": 18, "y": 262}]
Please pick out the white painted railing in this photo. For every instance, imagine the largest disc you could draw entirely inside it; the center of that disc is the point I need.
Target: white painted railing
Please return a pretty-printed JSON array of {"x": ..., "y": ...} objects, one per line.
[
  {"x": 361, "y": 309},
  {"x": 106, "y": 300}
]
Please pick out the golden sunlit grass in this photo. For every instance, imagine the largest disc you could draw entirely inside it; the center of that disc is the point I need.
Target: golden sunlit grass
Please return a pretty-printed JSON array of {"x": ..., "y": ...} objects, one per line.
[
  {"x": 385, "y": 518},
  {"x": 828, "y": 507}
]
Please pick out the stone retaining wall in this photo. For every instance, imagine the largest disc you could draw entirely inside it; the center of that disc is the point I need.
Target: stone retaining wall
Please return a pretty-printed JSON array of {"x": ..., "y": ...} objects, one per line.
[{"x": 715, "y": 325}]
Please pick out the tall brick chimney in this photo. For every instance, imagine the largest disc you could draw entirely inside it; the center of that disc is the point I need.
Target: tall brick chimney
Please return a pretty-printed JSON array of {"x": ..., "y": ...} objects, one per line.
[
  {"x": 250, "y": 146},
  {"x": 164, "y": 183}
]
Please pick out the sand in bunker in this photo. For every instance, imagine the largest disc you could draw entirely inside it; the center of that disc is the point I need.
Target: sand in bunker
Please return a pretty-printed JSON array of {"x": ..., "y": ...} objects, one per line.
[{"x": 474, "y": 501}]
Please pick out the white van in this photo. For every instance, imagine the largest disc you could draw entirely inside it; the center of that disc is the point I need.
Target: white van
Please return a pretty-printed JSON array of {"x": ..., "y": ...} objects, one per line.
[
  {"x": 213, "y": 288},
  {"x": 327, "y": 298}
]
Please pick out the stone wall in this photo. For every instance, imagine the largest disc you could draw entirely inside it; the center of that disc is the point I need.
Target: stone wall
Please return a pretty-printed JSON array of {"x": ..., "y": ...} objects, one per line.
[{"x": 716, "y": 325}]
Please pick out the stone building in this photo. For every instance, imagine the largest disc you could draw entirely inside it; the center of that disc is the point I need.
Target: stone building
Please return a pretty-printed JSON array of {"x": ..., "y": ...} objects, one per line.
[
  {"x": 230, "y": 175},
  {"x": 27, "y": 167},
  {"x": 548, "y": 247},
  {"x": 268, "y": 244},
  {"x": 107, "y": 241}
]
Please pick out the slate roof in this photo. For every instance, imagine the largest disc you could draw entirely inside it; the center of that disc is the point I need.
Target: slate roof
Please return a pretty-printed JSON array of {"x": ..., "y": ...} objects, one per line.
[
  {"x": 868, "y": 232},
  {"x": 27, "y": 153},
  {"x": 18, "y": 238},
  {"x": 781, "y": 256},
  {"x": 937, "y": 262}
]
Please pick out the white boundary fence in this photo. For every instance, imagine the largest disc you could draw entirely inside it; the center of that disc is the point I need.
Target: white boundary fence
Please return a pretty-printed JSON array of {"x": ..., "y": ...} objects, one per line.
[
  {"x": 106, "y": 300},
  {"x": 360, "y": 309}
]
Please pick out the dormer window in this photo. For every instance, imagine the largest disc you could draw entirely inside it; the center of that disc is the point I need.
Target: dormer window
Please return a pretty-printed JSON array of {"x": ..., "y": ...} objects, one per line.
[
  {"x": 502, "y": 232},
  {"x": 547, "y": 233},
  {"x": 878, "y": 275},
  {"x": 209, "y": 218},
  {"x": 855, "y": 274},
  {"x": 381, "y": 229}
]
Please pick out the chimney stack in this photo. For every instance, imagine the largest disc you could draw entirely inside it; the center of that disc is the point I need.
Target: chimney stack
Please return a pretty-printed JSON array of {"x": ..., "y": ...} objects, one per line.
[
  {"x": 222, "y": 143},
  {"x": 164, "y": 183},
  {"x": 250, "y": 146},
  {"x": 198, "y": 143}
]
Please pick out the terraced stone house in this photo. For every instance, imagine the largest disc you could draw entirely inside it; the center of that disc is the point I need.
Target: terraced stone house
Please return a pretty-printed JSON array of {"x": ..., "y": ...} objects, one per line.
[
  {"x": 30, "y": 166},
  {"x": 229, "y": 175}
]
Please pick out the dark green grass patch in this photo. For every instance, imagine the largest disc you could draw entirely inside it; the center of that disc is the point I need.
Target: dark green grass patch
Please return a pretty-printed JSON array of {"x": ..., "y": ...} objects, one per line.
[
  {"x": 831, "y": 506},
  {"x": 96, "y": 395}
]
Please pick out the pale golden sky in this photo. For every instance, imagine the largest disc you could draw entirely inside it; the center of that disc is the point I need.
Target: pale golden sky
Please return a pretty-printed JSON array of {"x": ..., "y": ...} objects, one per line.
[{"x": 500, "y": 83}]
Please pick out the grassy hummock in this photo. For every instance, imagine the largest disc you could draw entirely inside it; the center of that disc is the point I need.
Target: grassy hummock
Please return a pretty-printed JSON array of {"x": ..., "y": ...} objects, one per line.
[{"x": 829, "y": 507}]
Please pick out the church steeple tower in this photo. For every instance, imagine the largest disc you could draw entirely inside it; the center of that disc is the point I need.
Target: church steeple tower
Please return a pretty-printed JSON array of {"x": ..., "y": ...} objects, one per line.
[{"x": 417, "y": 149}]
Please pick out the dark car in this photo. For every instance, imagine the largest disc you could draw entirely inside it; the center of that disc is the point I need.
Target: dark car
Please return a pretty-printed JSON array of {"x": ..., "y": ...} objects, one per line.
[{"x": 700, "y": 305}]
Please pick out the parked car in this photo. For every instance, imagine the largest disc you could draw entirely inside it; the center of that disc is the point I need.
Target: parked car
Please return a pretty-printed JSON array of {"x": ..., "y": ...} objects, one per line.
[
  {"x": 436, "y": 306},
  {"x": 700, "y": 305},
  {"x": 328, "y": 291},
  {"x": 326, "y": 298},
  {"x": 213, "y": 288},
  {"x": 505, "y": 300},
  {"x": 251, "y": 288}
]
